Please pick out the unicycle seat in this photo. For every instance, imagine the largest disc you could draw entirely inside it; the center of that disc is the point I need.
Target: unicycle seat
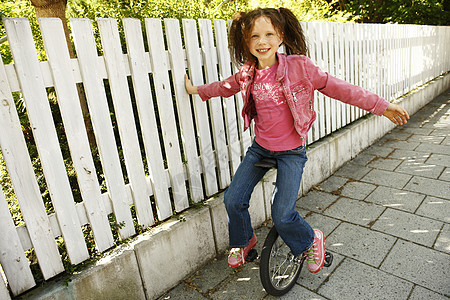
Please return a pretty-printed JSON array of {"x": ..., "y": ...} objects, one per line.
[{"x": 267, "y": 163}]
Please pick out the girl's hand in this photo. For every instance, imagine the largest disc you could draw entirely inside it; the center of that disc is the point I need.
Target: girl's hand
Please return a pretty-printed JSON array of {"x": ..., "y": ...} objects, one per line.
[
  {"x": 190, "y": 89},
  {"x": 396, "y": 114}
]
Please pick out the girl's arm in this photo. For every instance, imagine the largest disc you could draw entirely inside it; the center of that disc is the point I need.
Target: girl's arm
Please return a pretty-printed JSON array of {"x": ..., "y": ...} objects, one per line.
[{"x": 225, "y": 88}]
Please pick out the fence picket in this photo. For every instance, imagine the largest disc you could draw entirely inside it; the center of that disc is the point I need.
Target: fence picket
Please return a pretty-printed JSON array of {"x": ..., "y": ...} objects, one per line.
[
  {"x": 115, "y": 65},
  {"x": 178, "y": 67},
  {"x": 224, "y": 59},
  {"x": 215, "y": 104},
  {"x": 45, "y": 136},
  {"x": 140, "y": 68},
  {"x": 200, "y": 110},
  {"x": 4, "y": 294},
  {"x": 166, "y": 112},
  {"x": 68, "y": 100},
  {"x": 90, "y": 68},
  {"x": 12, "y": 257},
  {"x": 18, "y": 163}
]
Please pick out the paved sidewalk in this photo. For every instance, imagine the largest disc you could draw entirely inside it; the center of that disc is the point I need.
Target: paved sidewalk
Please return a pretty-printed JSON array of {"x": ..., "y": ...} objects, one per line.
[{"x": 386, "y": 217}]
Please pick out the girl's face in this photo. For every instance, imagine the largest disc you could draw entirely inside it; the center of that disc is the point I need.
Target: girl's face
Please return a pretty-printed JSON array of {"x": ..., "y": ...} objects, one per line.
[{"x": 264, "y": 42}]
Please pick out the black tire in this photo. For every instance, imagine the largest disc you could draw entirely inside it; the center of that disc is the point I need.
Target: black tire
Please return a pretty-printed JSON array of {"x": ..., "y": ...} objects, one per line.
[{"x": 279, "y": 269}]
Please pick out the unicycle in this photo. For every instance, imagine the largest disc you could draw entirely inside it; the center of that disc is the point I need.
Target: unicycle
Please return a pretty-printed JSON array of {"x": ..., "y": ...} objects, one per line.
[{"x": 279, "y": 268}]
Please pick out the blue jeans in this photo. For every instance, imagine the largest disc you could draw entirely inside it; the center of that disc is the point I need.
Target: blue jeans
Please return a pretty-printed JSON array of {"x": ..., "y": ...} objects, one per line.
[{"x": 293, "y": 229}]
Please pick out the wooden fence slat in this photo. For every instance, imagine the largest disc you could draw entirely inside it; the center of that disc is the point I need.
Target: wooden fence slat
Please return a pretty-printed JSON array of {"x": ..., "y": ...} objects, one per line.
[
  {"x": 118, "y": 82},
  {"x": 101, "y": 122},
  {"x": 139, "y": 64},
  {"x": 68, "y": 100},
  {"x": 45, "y": 136},
  {"x": 183, "y": 103},
  {"x": 12, "y": 257},
  {"x": 4, "y": 294},
  {"x": 234, "y": 152},
  {"x": 333, "y": 47},
  {"x": 215, "y": 104},
  {"x": 200, "y": 110},
  {"x": 166, "y": 112},
  {"x": 18, "y": 162}
]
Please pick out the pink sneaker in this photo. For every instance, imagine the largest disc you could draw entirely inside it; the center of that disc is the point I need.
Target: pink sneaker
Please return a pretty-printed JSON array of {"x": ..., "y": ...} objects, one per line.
[
  {"x": 316, "y": 254},
  {"x": 237, "y": 255}
]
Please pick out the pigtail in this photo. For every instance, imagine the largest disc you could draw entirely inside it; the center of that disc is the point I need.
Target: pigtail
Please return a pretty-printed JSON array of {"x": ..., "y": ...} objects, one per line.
[
  {"x": 237, "y": 40},
  {"x": 293, "y": 37}
]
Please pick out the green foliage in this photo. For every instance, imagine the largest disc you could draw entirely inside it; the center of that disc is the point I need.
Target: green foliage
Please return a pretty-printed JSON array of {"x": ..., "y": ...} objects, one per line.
[{"x": 423, "y": 12}]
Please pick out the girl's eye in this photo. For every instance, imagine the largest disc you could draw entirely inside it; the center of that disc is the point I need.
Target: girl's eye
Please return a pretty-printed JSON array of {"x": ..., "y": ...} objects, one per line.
[{"x": 254, "y": 36}]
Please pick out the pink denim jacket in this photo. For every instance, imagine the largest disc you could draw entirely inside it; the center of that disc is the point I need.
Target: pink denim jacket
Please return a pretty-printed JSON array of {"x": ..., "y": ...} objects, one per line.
[{"x": 299, "y": 77}]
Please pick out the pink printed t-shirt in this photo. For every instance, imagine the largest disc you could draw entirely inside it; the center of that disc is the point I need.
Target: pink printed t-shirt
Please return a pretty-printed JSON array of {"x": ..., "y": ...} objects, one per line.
[{"x": 274, "y": 124}]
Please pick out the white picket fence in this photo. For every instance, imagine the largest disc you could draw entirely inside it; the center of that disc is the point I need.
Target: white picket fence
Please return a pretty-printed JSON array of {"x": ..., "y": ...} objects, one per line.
[{"x": 192, "y": 148}]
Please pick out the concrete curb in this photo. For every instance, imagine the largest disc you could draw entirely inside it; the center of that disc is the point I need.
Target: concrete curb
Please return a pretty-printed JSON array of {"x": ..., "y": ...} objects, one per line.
[{"x": 159, "y": 259}]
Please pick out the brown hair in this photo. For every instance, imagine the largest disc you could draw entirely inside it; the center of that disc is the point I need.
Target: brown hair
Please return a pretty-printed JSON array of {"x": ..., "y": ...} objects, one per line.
[{"x": 284, "y": 22}]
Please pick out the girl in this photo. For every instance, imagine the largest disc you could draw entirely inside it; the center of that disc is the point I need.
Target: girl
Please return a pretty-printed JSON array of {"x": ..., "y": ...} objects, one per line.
[{"x": 278, "y": 91}]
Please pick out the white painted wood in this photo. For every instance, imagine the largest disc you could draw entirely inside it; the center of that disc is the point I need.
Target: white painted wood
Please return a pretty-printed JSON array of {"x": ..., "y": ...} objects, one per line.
[
  {"x": 140, "y": 64},
  {"x": 333, "y": 46},
  {"x": 4, "y": 294},
  {"x": 321, "y": 62},
  {"x": 223, "y": 55},
  {"x": 12, "y": 257},
  {"x": 184, "y": 109},
  {"x": 101, "y": 122},
  {"x": 41, "y": 120},
  {"x": 166, "y": 112},
  {"x": 215, "y": 104},
  {"x": 200, "y": 110},
  {"x": 69, "y": 103},
  {"x": 20, "y": 169},
  {"x": 118, "y": 82}
]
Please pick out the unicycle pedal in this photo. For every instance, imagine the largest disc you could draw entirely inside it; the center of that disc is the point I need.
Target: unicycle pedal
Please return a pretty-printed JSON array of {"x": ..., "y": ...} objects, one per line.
[
  {"x": 252, "y": 255},
  {"x": 328, "y": 259}
]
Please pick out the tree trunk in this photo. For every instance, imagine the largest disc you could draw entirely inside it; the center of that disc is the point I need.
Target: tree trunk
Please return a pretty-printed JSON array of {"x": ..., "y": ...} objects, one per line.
[{"x": 57, "y": 9}]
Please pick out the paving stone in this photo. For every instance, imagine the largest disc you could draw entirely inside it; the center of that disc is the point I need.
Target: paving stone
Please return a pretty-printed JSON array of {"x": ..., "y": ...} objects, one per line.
[
  {"x": 394, "y": 198},
  {"x": 396, "y": 135},
  {"x": 324, "y": 223},
  {"x": 429, "y": 186},
  {"x": 387, "y": 164},
  {"x": 363, "y": 159},
  {"x": 431, "y": 148},
  {"x": 410, "y": 156},
  {"x": 314, "y": 281},
  {"x": 316, "y": 201},
  {"x": 297, "y": 293},
  {"x": 443, "y": 240},
  {"x": 420, "y": 169},
  {"x": 413, "y": 128},
  {"x": 357, "y": 190},
  {"x": 208, "y": 277},
  {"x": 435, "y": 208},
  {"x": 182, "y": 291},
  {"x": 354, "y": 211},
  {"x": 356, "y": 242},
  {"x": 387, "y": 178},
  {"x": 425, "y": 139},
  {"x": 439, "y": 159},
  {"x": 355, "y": 280},
  {"x": 408, "y": 226},
  {"x": 382, "y": 151},
  {"x": 401, "y": 145},
  {"x": 333, "y": 183},
  {"x": 244, "y": 284},
  {"x": 421, "y": 265},
  {"x": 441, "y": 132},
  {"x": 353, "y": 171},
  {"x": 420, "y": 293},
  {"x": 445, "y": 175},
  {"x": 446, "y": 141}
]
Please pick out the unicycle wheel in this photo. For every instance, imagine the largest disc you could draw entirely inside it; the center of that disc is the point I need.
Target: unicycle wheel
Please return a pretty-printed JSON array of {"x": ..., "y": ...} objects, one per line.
[{"x": 279, "y": 269}]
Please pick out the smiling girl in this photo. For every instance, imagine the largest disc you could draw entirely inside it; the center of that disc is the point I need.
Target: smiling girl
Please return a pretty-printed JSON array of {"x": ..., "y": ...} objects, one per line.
[{"x": 278, "y": 91}]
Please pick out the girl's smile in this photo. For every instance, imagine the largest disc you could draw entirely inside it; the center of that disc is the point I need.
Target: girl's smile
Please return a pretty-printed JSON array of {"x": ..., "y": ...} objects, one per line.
[{"x": 264, "y": 42}]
